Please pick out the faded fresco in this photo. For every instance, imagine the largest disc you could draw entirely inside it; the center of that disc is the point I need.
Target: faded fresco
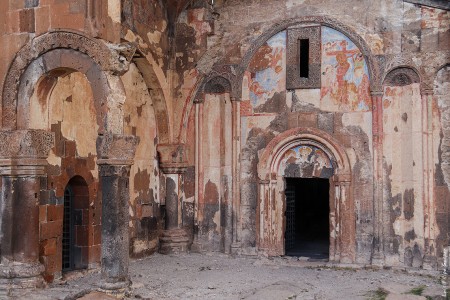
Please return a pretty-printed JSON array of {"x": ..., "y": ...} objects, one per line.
[
  {"x": 345, "y": 77},
  {"x": 306, "y": 161},
  {"x": 267, "y": 78}
]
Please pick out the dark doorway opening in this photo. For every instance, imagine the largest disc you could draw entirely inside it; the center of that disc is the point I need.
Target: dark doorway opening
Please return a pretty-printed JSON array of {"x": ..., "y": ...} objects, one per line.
[
  {"x": 307, "y": 217},
  {"x": 75, "y": 239}
]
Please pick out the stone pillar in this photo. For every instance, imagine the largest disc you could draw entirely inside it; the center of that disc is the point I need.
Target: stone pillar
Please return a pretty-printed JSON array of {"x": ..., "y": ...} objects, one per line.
[
  {"x": 23, "y": 156},
  {"x": 196, "y": 245},
  {"x": 236, "y": 245},
  {"x": 342, "y": 225},
  {"x": 377, "y": 137},
  {"x": 173, "y": 164},
  {"x": 429, "y": 206},
  {"x": 115, "y": 157}
]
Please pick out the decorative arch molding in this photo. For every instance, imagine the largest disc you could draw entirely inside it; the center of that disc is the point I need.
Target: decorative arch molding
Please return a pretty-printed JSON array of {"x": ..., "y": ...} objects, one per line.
[
  {"x": 271, "y": 200},
  {"x": 235, "y": 72},
  {"x": 269, "y": 161},
  {"x": 374, "y": 63},
  {"x": 109, "y": 59},
  {"x": 401, "y": 76},
  {"x": 217, "y": 85}
]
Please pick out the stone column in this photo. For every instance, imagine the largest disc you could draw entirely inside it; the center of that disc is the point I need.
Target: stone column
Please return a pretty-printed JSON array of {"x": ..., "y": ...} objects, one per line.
[
  {"x": 198, "y": 199},
  {"x": 23, "y": 156},
  {"x": 430, "y": 259},
  {"x": 173, "y": 164},
  {"x": 377, "y": 137},
  {"x": 115, "y": 157},
  {"x": 236, "y": 245}
]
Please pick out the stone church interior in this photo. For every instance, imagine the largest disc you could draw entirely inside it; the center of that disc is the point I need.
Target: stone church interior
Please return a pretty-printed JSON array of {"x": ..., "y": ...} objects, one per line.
[{"x": 250, "y": 128}]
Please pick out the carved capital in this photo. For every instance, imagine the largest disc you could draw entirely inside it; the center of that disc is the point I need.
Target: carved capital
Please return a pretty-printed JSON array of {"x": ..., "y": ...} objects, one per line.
[
  {"x": 173, "y": 158},
  {"x": 109, "y": 170},
  {"x": 115, "y": 149},
  {"x": 377, "y": 92},
  {"x": 121, "y": 55},
  {"x": 22, "y": 144},
  {"x": 426, "y": 90}
]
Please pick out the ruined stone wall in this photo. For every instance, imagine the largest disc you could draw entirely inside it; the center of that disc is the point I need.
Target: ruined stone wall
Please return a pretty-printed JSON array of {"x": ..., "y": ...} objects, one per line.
[
  {"x": 145, "y": 187},
  {"x": 242, "y": 41},
  {"x": 69, "y": 112}
]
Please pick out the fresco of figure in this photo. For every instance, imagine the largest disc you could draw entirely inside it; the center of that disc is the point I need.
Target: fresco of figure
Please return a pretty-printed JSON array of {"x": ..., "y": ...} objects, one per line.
[{"x": 345, "y": 81}]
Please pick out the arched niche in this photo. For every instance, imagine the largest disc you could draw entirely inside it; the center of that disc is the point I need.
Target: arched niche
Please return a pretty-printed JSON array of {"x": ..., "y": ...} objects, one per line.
[
  {"x": 305, "y": 153},
  {"x": 214, "y": 146},
  {"x": 217, "y": 85},
  {"x": 401, "y": 76}
]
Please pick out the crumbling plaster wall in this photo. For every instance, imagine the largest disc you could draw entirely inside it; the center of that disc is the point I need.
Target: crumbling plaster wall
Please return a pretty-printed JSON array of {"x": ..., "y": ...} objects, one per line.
[
  {"x": 397, "y": 34},
  {"x": 145, "y": 191},
  {"x": 65, "y": 106}
]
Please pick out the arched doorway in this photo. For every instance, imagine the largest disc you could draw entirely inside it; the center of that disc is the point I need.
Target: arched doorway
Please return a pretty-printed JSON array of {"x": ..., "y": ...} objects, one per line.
[
  {"x": 308, "y": 159},
  {"x": 75, "y": 239}
]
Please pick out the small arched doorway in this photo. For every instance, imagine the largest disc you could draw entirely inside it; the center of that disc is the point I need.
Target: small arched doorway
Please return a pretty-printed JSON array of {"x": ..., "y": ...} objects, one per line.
[
  {"x": 310, "y": 159},
  {"x": 306, "y": 170},
  {"x": 75, "y": 239}
]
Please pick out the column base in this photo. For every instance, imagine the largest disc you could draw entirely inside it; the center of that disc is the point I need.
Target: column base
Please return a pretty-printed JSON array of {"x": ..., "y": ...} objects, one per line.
[
  {"x": 430, "y": 263},
  {"x": 174, "y": 241},
  {"x": 117, "y": 289},
  {"x": 197, "y": 247},
  {"x": 378, "y": 259},
  {"x": 235, "y": 248},
  {"x": 20, "y": 276}
]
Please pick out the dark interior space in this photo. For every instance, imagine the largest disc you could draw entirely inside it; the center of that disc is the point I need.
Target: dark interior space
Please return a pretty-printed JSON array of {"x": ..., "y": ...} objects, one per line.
[
  {"x": 75, "y": 230},
  {"x": 307, "y": 217}
]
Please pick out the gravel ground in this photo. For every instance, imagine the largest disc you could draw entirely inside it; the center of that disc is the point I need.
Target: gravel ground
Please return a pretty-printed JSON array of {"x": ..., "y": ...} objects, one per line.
[{"x": 217, "y": 276}]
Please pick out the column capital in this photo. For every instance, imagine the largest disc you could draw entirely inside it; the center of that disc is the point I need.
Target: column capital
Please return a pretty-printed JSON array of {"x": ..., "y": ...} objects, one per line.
[
  {"x": 25, "y": 144},
  {"x": 426, "y": 91},
  {"x": 377, "y": 93},
  {"x": 173, "y": 158},
  {"x": 116, "y": 149}
]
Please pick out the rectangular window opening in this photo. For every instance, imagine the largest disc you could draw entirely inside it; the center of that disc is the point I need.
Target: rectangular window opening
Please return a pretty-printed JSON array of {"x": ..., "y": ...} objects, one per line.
[{"x": 304, "y": 58}]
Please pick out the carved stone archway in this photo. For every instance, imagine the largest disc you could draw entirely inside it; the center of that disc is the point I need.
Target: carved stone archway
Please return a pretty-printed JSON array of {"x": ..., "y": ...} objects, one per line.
[
  {"x": 99, "y": 61},
  {"x": 37, "y": 65},
  {"x": 271, "y": 200}
]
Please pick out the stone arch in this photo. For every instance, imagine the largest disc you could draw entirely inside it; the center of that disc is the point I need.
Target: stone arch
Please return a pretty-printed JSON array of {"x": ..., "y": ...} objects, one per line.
[
  {"x": 373, "y": 64},
  {"x": 68, "y": 51},
  {"x": 235, "y": 73},
  {"x": 217, "y": 85},
  {"x": 270, "y": 234},
  {"x": 157, "y": 95},
  {"x": 401, "y": 75}
]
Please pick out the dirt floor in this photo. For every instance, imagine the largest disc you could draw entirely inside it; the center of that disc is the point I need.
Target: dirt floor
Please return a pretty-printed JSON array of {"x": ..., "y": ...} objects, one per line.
[{"x": 217, "y": 276}]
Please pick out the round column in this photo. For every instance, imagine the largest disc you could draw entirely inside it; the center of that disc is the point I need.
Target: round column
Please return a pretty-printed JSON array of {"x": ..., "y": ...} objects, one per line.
[{"x": 22, "y": 169}]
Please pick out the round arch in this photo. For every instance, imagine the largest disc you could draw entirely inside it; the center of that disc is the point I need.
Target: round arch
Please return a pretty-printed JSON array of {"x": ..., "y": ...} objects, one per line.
[
  {"x": 271, "y": 202},
  {"x": 235, "y": 72},
  {"x": 68, "y": 51},
  {"x": 402, "y": 75},
  {"x": 157, "y": 95}
]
